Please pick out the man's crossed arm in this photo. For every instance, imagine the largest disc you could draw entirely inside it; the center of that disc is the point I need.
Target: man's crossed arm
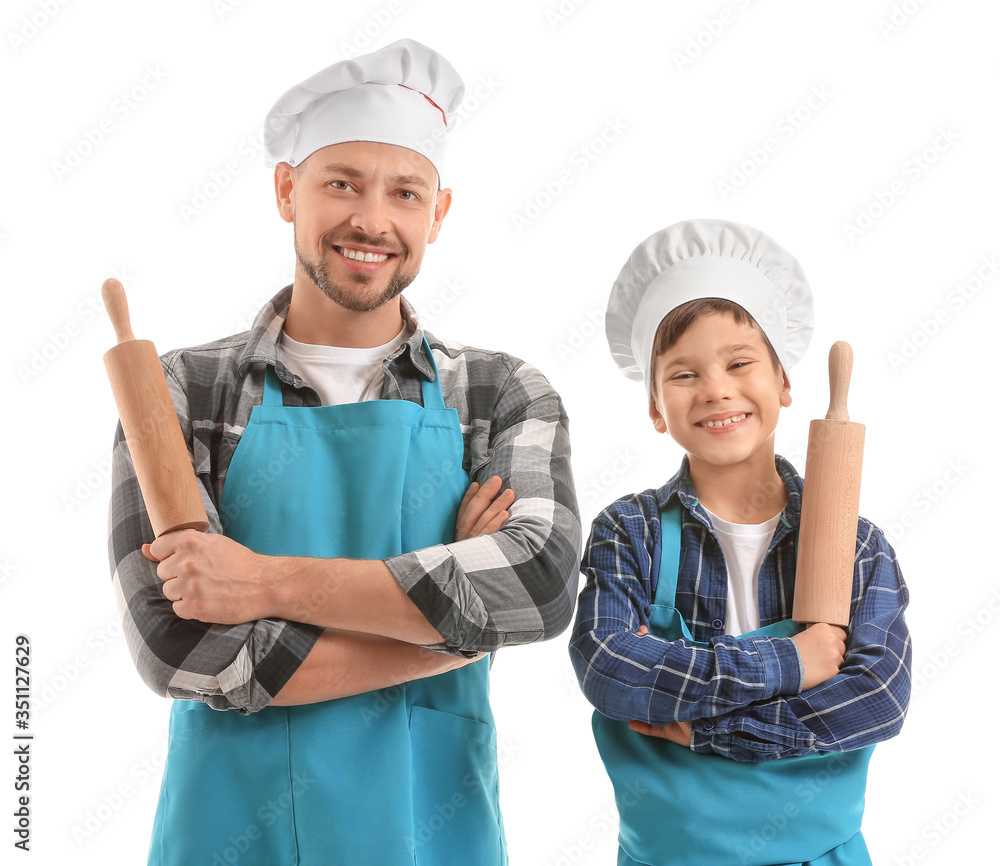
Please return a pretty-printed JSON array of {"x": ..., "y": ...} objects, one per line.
[{"x": 373, "y": 631}]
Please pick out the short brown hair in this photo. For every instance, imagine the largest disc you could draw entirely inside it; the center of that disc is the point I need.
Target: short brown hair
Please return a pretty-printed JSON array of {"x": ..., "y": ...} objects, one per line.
[{"x": 679, "y": 319}]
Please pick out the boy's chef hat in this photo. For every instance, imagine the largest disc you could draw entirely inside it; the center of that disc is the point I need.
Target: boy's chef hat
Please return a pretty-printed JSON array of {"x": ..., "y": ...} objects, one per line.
[
  {"x": 404, "y": 94},
  {"x": 707, "y": 258}
]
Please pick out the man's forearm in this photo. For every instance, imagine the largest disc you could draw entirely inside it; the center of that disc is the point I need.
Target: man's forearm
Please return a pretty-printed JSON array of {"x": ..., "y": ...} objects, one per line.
[
  {"x": 359, "y": 595},
  {"x": 343, "y": 663}
]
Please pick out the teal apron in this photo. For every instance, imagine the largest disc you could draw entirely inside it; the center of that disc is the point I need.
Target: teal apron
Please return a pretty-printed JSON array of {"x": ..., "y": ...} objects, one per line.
[
  {"x": 681, "y": 808},
  {"x": 402, "y": 775}
]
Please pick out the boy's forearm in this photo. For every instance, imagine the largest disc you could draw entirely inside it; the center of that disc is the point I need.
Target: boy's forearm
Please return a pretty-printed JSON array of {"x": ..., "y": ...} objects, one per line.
[
  {"x": 864, "y": 704},
  {"x": 651, "y": 680},
  {"x": 645, "y": 678},
  {"x": 775, "y": 728},
  {"x": 343, "y": 663}
]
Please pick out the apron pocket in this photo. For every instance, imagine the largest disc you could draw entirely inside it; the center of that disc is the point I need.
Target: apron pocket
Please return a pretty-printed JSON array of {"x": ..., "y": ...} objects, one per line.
[
  {"x": 456, "y": 791},
  {"x": 226, "y": 790}
]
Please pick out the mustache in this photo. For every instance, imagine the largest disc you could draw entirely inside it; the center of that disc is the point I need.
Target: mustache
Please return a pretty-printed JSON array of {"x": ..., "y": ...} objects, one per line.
[{"x": 361, "y": 239}]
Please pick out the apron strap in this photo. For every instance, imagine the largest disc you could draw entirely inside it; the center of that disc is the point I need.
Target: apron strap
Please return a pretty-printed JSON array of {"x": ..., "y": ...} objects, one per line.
[
  {"x": 670, "y": 554},
  {"x": 670, "y": 564},
  {"x": 272, "y": 387},
  {"x": 430, "y": 392}
]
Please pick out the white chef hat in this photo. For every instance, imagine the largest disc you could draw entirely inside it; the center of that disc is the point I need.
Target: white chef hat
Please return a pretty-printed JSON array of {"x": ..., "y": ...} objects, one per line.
[
  {"x": 404, "y": 94},
  {"x": 707, "y": 258}
]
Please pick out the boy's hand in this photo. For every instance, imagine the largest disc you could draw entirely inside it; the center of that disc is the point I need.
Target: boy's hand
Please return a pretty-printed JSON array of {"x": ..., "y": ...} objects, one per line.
[
  {"x": 483, "y": 509},
  {"x": 676, "y": 732},
  {"x": 822, "y": 647}
]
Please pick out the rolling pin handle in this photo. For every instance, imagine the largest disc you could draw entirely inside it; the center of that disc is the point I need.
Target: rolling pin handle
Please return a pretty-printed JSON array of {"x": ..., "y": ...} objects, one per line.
[
  {"x": 841, "y": 364},
  {"x": 113, "y": 294}
]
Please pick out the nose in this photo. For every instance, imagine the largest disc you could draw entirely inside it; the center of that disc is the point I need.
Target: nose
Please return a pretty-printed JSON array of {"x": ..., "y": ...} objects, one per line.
[
  {"x": 370, "y": 216},
  {"x": 715, "y": 387}
]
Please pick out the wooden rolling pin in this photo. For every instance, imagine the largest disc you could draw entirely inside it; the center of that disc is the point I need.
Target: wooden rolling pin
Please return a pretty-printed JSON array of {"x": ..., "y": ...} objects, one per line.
[
  {"x": 159, "y": 452},
  {"x": 828, "y": 531}
]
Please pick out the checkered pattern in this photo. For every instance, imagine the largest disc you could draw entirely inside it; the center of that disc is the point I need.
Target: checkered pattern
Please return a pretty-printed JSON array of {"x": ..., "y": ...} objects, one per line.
[
  {"x": 513, "y": 587},
  {"x": 742, "y": 695}
]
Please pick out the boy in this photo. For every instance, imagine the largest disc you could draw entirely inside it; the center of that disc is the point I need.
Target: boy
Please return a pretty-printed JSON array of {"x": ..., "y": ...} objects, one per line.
[{"x": 731, "y": 734}]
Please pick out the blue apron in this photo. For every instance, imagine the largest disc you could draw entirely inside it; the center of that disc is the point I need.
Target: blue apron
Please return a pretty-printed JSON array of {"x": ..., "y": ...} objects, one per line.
[
  {"x": 681, "y": 808},
  {"x": 402, "y": 775}
]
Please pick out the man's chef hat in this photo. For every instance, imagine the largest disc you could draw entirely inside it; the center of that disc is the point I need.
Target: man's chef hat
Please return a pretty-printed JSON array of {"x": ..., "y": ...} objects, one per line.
[
  {"x": 707, "y": 259},
  {"x": 404, "y": 94}
]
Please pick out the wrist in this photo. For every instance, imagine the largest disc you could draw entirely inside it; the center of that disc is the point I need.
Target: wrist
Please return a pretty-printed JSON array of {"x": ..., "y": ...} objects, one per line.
[
  {"x": 781, "y": 666},
  {"x": 802, "y": 664},
  {"x": 287, "y": 596}
]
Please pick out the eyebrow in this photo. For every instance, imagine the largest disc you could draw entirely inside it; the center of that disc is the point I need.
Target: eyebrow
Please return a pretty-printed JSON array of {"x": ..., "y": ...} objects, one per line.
[
  {"x": 341, "y": 168},
  {"x": 355, "y": 173},
  {"x": 735, "y": 349},
  {"x": 409, "y": 180}
]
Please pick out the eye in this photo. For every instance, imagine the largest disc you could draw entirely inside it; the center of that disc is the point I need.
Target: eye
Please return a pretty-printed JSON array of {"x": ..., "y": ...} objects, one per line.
[
  {"x": 685, "y": 374},
  {"x": 341, "y": 185},
  {"x": 407, "y": 195}
]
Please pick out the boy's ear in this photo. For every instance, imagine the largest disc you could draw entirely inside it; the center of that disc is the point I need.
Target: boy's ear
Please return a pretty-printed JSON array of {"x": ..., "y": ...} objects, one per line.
[
  {"x": 785, "y": 398},
  {"x": 659, "y": 424}
]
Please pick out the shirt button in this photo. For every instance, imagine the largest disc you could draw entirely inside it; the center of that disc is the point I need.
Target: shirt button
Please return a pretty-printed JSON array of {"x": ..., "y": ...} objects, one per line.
[
  {"x": 708, "y": 726},
  {"x": 717, "y": 623}
]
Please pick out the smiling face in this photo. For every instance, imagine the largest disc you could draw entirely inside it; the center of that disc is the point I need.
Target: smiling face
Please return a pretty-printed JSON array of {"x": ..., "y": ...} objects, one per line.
[
  {"x": 363, "y": 214},
  {"x": 718, "y": 394}
]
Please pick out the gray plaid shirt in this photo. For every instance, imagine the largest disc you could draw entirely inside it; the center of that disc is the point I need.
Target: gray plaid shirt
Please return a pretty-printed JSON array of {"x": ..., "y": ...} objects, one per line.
[{"x": 512, "y": 587}]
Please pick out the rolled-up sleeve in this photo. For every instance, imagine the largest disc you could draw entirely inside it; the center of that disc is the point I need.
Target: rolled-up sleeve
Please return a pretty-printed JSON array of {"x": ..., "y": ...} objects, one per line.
[
  {"x": 229, "y": 667},
  {"x": 516, "y": 585}
]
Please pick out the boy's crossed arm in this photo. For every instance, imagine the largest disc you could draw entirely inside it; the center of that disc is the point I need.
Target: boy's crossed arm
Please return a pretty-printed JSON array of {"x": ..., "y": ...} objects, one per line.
[
  {"x": 865, "y": 703},
  {"x": 629, "y": 676},
  {"x": 751, "y": 698},
  {"x": 821, "y": 647}
]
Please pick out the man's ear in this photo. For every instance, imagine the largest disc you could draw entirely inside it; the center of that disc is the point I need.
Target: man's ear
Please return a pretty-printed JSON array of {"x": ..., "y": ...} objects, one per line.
[
  {"x": 284, "y": 190},
  {"x": 441, "y": 207}
]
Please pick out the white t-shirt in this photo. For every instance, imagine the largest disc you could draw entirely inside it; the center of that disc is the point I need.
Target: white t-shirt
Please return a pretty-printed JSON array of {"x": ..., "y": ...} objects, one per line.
[
  {"x": 337, "y": 374},
  {"x": 744, "y": 546}
]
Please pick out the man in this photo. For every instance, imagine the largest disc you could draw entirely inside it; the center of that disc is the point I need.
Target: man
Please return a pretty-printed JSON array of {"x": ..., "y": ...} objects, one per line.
[{"x": 335, "y": 442}]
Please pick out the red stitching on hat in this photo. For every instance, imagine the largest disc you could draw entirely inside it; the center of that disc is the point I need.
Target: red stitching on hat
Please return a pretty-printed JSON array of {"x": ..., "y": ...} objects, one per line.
[
  {"x": 438, "y": 107},
  {"x": 431, "y": 101}
]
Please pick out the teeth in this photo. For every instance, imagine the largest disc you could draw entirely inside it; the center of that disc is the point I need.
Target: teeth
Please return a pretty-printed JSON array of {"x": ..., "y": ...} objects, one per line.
[
  {"x": 726, "y": 421},
  {"x": 360, "y": 256}
]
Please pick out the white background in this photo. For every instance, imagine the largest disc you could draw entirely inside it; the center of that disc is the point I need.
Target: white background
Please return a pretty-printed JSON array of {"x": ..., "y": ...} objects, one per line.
[{"x": 588, "y": 126}]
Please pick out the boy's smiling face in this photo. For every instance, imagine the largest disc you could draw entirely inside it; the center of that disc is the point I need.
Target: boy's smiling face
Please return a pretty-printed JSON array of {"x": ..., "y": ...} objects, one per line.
[{"x": 718, "y": 394}]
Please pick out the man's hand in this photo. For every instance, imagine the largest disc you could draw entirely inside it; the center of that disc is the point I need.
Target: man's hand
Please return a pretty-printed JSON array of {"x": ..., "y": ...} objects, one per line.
[
  {"x": 822, "y": 648},
  {"x": 209, "y": 577},
  {"x": 483, "y": 509},
  {"x": 212, "y": 578}
]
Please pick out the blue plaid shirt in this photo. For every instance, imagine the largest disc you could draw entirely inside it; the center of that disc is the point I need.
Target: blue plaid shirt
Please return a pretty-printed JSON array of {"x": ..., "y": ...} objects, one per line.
[{"x": 743, "y": 695}]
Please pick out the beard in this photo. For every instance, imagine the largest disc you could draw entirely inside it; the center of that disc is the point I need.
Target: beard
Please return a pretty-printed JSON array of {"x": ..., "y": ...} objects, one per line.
[{"x": 349, "y": 297}]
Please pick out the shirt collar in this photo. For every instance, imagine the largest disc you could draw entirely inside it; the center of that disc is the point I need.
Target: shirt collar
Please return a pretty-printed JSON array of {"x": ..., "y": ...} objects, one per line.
[
  {"x": 681, "y": 487},
  {"x": 262, "y": 343}
]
